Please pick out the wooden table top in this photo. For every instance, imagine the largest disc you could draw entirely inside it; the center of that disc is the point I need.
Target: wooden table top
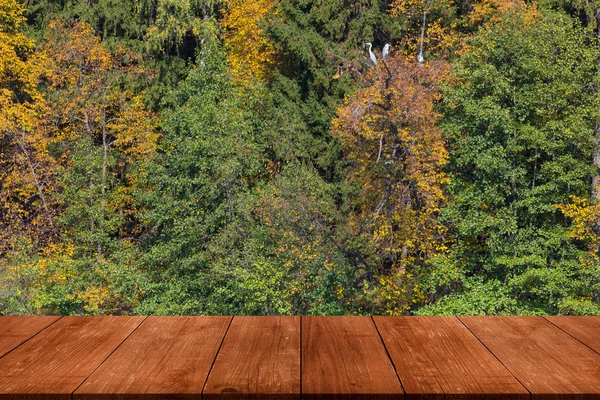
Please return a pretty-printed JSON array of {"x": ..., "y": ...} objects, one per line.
[{"x": 377, "y": 358}]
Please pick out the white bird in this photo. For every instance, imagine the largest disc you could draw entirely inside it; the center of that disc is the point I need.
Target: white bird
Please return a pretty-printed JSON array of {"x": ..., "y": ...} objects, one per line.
[
  {"x": 420, "y": 58},
  {"x": 371, "y": 54},
  {"x": 385, "y": 51}
]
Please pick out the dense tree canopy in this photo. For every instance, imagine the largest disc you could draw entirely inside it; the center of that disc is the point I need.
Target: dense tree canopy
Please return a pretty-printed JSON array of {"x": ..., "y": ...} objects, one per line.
[
  {"x": 248, "y": 157},
  {"x": 522, "y": 137}
]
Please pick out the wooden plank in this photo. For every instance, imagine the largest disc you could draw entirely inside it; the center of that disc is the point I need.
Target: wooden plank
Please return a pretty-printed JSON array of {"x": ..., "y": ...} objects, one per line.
[
  {"x": 344, "y": 358},
  {"x": 549, "y": 362},
  {"x": 259, "y": 359},
  {"x": 584, "y": 329},
  {"x": 166, "y": 357},
  {"x": 437, "y": 356},
  {"x": 55, "y": 362},
  {"x": 15, "y": 330}
]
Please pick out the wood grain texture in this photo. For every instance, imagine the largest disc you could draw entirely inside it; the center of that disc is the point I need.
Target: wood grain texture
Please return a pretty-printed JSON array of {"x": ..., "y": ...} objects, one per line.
[
  {"x": 344, "y": 358},
  {"x": 437, "y": 356},
  {"x": 166, "y": 357},
  {"x": 16, "y": 330},
  {"x": 584, "y": 329},
  {"x": 52, "y": 364},
  {"x": 549, "y": 362},
  {"x": 268, "y": 358},
  {"x": 259, "y": 359}
]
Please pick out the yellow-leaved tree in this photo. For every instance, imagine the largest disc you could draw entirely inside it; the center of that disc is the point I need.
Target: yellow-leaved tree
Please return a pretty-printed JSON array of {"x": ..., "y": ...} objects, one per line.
[
  {"x": 27, "y": 167},
  {"x": 107, "y": 140},
  {"x": 390, "y": 135},
  {"x": 250, "y": 55},
  {"x": 71, "y": 158}
]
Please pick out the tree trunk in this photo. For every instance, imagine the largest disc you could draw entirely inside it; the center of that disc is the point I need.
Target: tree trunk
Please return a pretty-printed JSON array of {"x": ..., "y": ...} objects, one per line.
[
  {"x": 36, "y": 181},
  {"x": 596, "y": 178},
  {"x": 103, "y": 176}
]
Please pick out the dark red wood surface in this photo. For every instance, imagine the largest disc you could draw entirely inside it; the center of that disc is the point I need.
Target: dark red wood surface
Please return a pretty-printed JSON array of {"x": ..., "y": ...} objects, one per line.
[
  {"x": 164, "y": 357},
  {"x": 269, "y": 358},
  {"x": 437, "y": 356},
  {"x": 344, "y": 358},
  {"x": 53, "y": 363},
  {"x": 259, "y": 359},
  {"x": 16, "y": 330},
  {"x": 546, "y": 360},
  {"x": 584, "y": 329}
]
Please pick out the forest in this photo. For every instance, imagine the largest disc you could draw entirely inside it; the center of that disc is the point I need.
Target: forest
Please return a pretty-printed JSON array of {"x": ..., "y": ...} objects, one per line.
[{"x": 306, "y": 157}]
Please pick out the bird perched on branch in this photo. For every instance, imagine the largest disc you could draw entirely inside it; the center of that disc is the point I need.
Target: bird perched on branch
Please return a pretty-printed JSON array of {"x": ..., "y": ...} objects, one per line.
[
  {"x": 385, "y": 51},
  {"x": 371, "y": 54}
]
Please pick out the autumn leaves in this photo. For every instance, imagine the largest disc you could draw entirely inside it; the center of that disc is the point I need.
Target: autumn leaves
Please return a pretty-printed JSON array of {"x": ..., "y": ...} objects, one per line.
[{"x": 246, "y": 157}]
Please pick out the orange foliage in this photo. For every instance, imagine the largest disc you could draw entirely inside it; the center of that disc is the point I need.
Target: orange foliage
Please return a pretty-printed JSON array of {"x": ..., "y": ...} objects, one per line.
[
  {"x": 489, "y": 12},
  {"x": 390, "y": 135}
]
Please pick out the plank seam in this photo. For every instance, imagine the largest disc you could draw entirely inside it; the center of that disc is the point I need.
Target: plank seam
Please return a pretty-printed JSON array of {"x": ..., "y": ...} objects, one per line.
[
  {"x": 389, "y": 357},
  {"x": 553, "y": 324},
  {"x": 301, "y": 356},
  {"x": 495, "y": 356},
  {"x": 107, "y": 357},
  {"x": 215, "y": 359},
  {"x": 31, "y": 337},
  {"x": 576, "y": 372}
]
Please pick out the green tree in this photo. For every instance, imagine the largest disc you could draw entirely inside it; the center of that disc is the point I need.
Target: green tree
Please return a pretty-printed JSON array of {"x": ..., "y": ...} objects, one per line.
[
  {"x": 211, "y": 155},
  {"x": 318, "y": 44},
  {"x": 282, "y": 255},
  {"x": 107, "y": 139},
  {"x": 520, "y": 112},
  {"x": 243, "y": 224}
]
